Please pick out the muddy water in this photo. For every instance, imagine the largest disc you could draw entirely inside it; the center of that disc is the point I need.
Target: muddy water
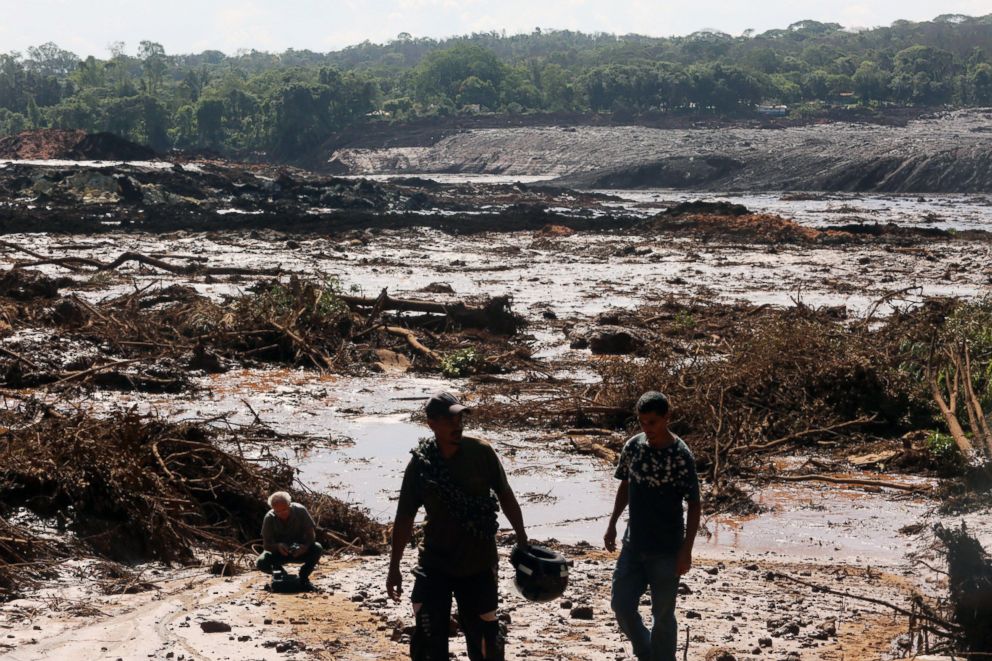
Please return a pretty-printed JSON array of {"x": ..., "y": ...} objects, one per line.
[
  {"x": 946, "y": 211},
  {"x": 364, "y": 428}
]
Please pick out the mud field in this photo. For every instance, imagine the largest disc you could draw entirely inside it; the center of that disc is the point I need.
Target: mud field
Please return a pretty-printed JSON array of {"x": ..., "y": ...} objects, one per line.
[
  {"x": 243, "y": 308},
  {"x": 941, "y": 152}
]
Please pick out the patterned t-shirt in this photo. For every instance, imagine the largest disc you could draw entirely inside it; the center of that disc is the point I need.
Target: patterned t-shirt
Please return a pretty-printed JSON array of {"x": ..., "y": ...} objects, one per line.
[{"x": 659, "y": 479}]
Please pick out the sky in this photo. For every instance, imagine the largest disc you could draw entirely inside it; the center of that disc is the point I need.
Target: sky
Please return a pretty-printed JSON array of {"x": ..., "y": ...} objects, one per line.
[{"x": 88, "y": 27}]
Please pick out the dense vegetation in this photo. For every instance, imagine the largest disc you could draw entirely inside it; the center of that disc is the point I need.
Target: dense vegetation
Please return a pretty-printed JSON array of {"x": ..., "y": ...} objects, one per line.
[{"x": 284, "y": 104}]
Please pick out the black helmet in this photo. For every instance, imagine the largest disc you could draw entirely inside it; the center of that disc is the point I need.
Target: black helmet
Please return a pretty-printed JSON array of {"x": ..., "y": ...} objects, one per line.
[{"x": 540, "y": 573}]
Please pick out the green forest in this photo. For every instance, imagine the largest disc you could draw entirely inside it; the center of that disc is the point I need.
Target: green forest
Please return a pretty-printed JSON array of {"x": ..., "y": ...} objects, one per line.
[{"x": 284, "y": 104}]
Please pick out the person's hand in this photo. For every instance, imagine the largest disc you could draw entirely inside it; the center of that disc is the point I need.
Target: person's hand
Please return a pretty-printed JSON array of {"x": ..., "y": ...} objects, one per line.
[
  {"x": 301, "y": 550},
  {"x": 394, "y": 583},
  {"x": 610, "y": 538},
  {"x": 522, "y": 540},
  {"x": 283, "y": 549},
  {"x": 683, "y": 562}
]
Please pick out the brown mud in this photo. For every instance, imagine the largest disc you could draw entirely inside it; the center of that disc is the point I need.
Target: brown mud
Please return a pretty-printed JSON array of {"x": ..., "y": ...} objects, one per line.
[{"x": 300, "y": 319}]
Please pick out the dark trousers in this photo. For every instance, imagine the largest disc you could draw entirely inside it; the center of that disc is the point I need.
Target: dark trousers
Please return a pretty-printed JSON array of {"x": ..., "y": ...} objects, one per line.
[
  {"x": 270, "y": 562},
  {"x": 476, "y": 595}
]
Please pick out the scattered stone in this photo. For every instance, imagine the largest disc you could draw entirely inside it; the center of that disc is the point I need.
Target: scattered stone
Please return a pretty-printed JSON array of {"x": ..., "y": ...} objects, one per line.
[
  {"x": 582, "y": 613},
  {"x": 214, "y": 626}
]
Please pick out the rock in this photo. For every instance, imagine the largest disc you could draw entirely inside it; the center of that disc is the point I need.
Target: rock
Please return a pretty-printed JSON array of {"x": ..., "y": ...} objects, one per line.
[
  {"x": 578, "y": 342},
  {"x": 764, "y": 642},
  {"x": 720, "y": 654},
  {"x": 566, "y": 603},
  {"x": 438, "y": 288},
  {"x": 828, "y": 627},
  {"x": 214, "y": 626},
  {"x": 391, "y": 362},
  {"x": 582, "y": 613},
  {"x": 614, "y": 341},
  {"x": 692, "y": 615},
  {"x": 790, "y": 628}
]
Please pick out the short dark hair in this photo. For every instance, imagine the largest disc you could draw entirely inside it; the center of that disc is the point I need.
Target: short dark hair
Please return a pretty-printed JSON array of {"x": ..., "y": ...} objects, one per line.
[{"x": 653, "y": 402}]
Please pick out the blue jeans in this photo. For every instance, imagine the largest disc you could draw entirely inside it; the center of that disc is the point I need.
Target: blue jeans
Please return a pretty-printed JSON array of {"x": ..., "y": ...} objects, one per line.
[{"x": 634, "y": 573}]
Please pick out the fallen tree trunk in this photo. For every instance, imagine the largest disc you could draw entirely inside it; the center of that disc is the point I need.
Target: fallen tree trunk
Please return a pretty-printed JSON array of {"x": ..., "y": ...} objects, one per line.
[
  {"x": 495, "y": 315},
  {"x": 848, "y": 481},
  {"x": 77, "y": 264}
]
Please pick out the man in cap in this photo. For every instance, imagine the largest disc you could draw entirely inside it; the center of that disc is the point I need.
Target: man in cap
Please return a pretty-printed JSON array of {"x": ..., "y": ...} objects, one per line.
[{"x": 461, "y": 485}]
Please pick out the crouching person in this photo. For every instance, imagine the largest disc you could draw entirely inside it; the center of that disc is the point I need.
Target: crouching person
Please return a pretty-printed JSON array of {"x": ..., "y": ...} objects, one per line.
[
  {"x": 289, "y": 535},
  {"x": 656, "y": 472}
]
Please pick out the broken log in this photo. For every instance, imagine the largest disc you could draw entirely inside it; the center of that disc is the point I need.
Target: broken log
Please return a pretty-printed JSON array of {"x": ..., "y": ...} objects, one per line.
[
  {"x": 798, "y": 435},
  {"x": 413, "y": 341},
  {"x": 853, "y": 481},
  {"x": 495, "y": 315}
]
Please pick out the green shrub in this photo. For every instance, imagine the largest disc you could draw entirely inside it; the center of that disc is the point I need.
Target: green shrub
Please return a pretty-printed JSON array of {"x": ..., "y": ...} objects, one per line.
[{"x": 461, "y": 362}]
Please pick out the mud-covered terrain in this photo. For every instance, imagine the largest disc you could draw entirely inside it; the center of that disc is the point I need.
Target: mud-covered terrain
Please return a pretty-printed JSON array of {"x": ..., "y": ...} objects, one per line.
[
  {"x": 216, "y": 331},
  {"x": 943, "y": 152}
]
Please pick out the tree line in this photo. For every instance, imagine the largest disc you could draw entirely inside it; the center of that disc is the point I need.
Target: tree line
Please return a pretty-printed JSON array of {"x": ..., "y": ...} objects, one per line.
[{"x": 284, "y": 104}]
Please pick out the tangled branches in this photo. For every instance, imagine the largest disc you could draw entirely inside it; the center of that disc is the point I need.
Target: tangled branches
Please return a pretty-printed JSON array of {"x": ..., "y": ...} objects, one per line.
[
  {"x": 746, "y": 380},
  {"x": 132, "y": 487}
]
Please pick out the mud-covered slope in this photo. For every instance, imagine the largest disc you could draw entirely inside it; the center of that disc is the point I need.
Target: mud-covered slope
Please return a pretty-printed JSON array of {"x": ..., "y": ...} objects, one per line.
[
  {"x": 67, "y": 144},
  {"x": 949, "y": 152}
]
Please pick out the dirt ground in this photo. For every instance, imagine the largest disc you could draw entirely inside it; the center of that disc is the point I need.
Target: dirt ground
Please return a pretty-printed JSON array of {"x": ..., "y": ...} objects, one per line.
[{"x": 731, "y": 604}]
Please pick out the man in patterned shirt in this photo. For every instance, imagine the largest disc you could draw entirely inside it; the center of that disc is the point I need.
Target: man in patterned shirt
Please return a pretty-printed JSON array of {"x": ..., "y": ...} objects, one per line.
[{"x": 656, "y": 472}]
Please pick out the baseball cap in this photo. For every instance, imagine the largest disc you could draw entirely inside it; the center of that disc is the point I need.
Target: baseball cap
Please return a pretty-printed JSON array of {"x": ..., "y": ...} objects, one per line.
[{"x": 443, "y": 404}]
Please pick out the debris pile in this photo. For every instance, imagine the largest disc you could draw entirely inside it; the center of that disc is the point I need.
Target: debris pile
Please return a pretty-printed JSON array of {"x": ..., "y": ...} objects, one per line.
[
  {"x": 131, "y": 487},
  {"x": 747, "y": 380},
  {"x": 151, "y": 339},
  {"x": 970, "y": 582}
]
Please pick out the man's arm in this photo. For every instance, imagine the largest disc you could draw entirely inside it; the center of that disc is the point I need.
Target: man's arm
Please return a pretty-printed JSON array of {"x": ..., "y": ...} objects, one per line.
[
  {"x": 269, "y": 537},
  {"x": 691, "y": 528},
  {"x": 512, "y": 510},
  {"x": 619, "y": 504},
  {"x": 402, "y": 532},
  {"x": 309, "y": 535}
]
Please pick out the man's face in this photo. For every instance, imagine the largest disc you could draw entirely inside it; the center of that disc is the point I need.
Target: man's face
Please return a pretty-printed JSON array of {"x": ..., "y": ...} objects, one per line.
[
  {"x": 653, "y": 425},
  {"x": 281, "y": 509},
  {"x": 447, "y": 428}
]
